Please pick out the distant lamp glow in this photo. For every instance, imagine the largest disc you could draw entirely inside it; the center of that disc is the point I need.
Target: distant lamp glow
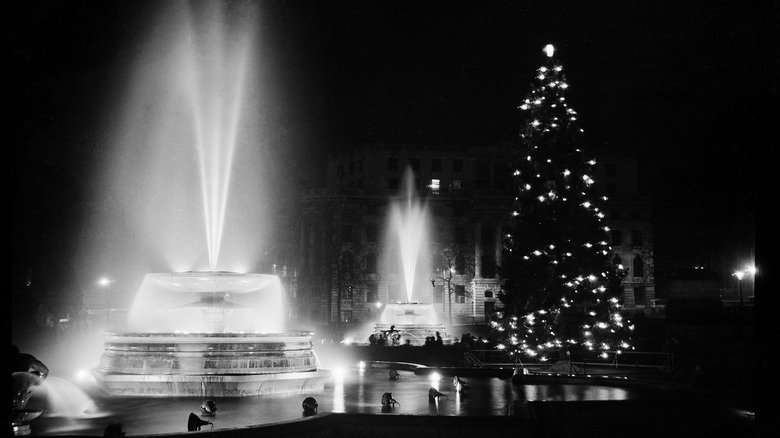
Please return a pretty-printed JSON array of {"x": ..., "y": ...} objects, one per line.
[
  {"x": 549, "y": 50},
  {"x": 104, "y": 281},
  {"x": 739, "y": 275},
  {"x": 83, "y": 376}
]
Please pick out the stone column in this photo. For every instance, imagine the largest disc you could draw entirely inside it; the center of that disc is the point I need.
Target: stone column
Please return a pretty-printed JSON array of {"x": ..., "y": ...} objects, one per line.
[{"x": 477, "y": 250}]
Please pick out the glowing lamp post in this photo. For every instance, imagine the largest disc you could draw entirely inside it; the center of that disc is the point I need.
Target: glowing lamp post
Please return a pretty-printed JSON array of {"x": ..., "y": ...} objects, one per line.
[
  {"x": 739, "y": 275},
  {"x": 105, "y": 283}
]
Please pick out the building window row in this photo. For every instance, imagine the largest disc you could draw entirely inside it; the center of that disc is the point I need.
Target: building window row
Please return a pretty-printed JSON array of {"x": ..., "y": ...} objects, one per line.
[
  {"x": 352, "y": 168},
  {"x": 636, "y": 238},
  {"x": 393, "y": 163},
  {"x": 637, "y": 265}
]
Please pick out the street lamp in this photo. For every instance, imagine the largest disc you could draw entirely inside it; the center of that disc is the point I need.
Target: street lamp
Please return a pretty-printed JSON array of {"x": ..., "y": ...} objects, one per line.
[
  {"x": 105, "y": 283},
  {"x": 740, "y": 275},
  {"x": 446, "y": 275}
]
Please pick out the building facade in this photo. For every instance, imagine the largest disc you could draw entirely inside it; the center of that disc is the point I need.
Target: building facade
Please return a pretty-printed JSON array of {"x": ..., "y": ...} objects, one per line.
[
  {"x": 346, "y": 265},
  {"x": 629, "y": 217}
]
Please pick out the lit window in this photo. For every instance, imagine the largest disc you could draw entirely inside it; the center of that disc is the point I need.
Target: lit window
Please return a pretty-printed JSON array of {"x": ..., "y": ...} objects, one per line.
[{"x": 435, "y": 185}]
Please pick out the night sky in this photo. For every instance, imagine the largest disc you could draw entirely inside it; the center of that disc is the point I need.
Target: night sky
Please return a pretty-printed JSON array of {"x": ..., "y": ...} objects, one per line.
[{"x": 689, "y": 85}]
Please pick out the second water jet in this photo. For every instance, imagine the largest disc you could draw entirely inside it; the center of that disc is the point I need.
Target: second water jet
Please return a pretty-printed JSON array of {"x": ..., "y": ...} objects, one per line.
[{"x": 414, "y": 321}]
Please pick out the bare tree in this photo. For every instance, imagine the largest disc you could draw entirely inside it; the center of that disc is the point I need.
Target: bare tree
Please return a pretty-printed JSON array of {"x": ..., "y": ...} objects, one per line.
[
  {"x": 452, "y": 260},
  {"x": 347, "y": 270}
]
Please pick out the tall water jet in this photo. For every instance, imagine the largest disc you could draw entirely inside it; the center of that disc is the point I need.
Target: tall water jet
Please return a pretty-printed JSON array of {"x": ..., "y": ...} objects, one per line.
[
  {"x": 415, "y": 321},
  {"x": 185, "y": 179},
  {"x": 408, "y": 219},
  {"x": 214, "y": 81}
]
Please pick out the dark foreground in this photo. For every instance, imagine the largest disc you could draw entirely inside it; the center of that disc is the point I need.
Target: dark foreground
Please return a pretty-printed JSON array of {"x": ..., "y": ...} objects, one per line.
[{"x": 552, "y": 419}]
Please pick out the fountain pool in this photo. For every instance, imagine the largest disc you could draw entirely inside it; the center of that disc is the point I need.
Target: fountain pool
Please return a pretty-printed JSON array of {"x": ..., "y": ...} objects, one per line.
[{"x": 352, "y": 391}]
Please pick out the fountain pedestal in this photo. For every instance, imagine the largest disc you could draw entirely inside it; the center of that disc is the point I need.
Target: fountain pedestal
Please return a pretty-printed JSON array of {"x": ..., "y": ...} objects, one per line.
[
  {"x": 209, "y": 345},
  {"x": 208, "y": 365},
  {"x": 414, "y": 321}
]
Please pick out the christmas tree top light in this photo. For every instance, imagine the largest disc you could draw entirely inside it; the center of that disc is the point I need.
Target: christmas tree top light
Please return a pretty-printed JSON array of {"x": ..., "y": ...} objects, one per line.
[{"x": 549, "y": 50}]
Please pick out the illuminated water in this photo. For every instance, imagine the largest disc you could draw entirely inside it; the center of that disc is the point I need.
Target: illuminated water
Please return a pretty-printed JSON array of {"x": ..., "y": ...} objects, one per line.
[
  {"x": 353, "y": 392},
  {"x": 408, "y": 222},
  {"x": 207, "y": 302},
  {"x": 185, "y": 171}
]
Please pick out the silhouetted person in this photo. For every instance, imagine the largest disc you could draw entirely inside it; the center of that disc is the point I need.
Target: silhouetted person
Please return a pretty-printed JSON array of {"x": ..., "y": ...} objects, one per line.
[
  {"x": 439, "y": 340},
  {"x": 458, "y": 384},
  {"x": 434, "y": 394},
  {"x": 194, "y": 423},
  {"x": 388, "y": 400},
  {"x": 372, "y": 340}
]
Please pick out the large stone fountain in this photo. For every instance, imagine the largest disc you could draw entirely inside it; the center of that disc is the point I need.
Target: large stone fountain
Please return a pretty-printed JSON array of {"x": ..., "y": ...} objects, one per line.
[{"x": 207, "y": 334}]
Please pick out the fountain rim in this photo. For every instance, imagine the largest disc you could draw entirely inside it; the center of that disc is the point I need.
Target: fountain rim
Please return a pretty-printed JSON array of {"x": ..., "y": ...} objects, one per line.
[
  {"x": 230, "y": 337},
  {"x": 210, "y": 281}
]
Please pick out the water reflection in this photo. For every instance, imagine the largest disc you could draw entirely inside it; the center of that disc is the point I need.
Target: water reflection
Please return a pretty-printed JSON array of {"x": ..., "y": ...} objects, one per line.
[
  {"x": 352, "y": 392},
  {"x": 338, "y": 392}
]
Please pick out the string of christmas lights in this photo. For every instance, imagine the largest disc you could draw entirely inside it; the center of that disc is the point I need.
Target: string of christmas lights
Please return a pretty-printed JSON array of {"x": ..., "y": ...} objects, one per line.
[{"x": 560, "y": 290}]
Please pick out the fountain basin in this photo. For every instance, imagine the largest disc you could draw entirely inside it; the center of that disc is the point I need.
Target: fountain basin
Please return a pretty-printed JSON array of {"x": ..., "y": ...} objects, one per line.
[
  {"x": 350, "y": 405},
  {"x": 208, "y": 364},
  {"x": 414, "y": 321}
]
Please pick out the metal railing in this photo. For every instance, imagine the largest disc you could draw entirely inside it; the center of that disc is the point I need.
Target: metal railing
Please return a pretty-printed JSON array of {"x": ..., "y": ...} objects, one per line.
[{"x": 577, "y": 363}]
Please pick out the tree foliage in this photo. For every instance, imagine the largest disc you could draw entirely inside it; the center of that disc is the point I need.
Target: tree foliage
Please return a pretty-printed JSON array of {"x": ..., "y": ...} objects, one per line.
[{"x": 559, "y": 288}]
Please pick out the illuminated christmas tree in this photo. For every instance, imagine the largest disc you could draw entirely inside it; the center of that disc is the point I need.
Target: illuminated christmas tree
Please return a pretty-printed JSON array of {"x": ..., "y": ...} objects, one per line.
[{"x": 559, "y": 288}]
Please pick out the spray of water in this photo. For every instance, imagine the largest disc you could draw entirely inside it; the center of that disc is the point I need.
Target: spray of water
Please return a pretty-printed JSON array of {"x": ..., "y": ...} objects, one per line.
[
  {"x": 214, "y": 81},
  {"x": 66, "y": 399},
  {"x": 181, "y": 183},
  {"x": 409, "y": 224},
  {"x": 207, "y": 302}
]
